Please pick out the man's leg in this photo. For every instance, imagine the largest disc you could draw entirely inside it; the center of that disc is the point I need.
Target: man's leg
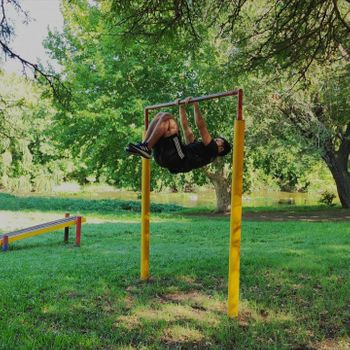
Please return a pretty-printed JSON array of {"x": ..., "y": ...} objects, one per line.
[
  {"x": 161, "y": 115},
  {"x": 165, "y": 127},
  {"x": 162, "y": 126},
  {"x": 152, "y": 125},
  {"x": 149, "y": 132}
]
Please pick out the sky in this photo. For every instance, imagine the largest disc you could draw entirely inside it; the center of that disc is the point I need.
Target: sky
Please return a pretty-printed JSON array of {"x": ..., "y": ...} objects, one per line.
[{"x": 28, "y": 40}]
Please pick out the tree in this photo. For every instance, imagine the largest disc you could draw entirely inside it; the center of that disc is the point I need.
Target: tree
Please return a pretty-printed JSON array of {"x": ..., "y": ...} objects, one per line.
[
  {"x": 292, "y": 39},
  {"x": 322, "y": 118},
  {"x": 291, "y": 33},
  {"x": 28, "y": 157},
  {"x": 111, "y": 81}
]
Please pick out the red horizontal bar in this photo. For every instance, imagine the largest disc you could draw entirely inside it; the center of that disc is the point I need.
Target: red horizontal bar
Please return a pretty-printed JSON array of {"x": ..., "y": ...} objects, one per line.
[{"x": 194, "y": 99}]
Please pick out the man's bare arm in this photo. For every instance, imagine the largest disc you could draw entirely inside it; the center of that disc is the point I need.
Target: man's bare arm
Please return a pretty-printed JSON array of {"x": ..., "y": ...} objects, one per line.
[
  {"x": 188, "y": 134},
  {"x": 201, "y": 124}
]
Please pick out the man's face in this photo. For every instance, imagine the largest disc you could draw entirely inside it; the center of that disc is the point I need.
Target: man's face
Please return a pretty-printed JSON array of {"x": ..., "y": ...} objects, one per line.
[{"x": 220, "y": 143}]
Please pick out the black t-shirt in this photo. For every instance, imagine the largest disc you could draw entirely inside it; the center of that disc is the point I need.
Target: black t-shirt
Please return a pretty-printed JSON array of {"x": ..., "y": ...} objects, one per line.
[
  {"x": 197, "y": 155},
  {"x": 171, "y": 153}
]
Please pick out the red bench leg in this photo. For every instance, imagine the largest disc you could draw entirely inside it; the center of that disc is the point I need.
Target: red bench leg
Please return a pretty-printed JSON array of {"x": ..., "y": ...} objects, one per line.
[
  {"x": 66, "y": 230},
  {"x": 78, "y": 231},
  {"x": 5, "y": 243}
]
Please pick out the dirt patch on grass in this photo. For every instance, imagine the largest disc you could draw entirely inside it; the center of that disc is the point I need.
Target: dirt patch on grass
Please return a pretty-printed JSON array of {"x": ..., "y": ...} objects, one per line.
[
  {"x": 313, "y": 216},
  {"x": 129, "y": 322},
  {"x": 178, "y": 336},
  {"x": 176, "y": 309},
  {"x": 330, "y": 344},
  {"x": 196, "y": 301}
]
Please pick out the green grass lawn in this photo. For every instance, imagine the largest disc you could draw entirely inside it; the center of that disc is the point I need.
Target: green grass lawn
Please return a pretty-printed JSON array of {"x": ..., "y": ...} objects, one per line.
[{"x": 295, "y": 286}]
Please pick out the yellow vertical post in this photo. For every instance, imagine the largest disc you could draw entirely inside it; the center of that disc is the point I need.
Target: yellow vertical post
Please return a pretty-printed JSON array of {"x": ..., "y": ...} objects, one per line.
[
  {"x": 236, "y": 212},
  {"x": 145, "y": 213}
]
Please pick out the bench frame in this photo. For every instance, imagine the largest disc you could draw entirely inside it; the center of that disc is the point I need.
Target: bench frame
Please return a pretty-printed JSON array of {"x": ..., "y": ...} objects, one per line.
[{"x": 32, "y": 231}]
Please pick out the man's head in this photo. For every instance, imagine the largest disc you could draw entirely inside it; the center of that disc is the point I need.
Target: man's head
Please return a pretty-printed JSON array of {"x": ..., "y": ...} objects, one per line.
[{"x": 224, "y": 146}]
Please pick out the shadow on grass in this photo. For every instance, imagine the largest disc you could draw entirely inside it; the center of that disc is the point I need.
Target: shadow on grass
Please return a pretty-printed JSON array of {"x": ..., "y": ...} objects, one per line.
[
  {"x": 40, "y": 244},
  {"x": 315, "y": 215},
  {"x": 187, "y": 316}
]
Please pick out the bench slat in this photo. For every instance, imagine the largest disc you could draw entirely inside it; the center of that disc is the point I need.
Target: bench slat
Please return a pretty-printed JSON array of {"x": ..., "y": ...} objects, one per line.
[{"x": 37, "y": 227}]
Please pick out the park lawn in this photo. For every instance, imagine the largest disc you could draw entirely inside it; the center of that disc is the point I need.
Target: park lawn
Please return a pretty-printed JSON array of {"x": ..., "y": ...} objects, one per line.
[{"x": 294, "y": 287}]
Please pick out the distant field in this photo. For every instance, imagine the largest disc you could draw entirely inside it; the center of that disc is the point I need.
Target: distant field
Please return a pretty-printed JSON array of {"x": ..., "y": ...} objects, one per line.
[{"x": 295, "y": 282}]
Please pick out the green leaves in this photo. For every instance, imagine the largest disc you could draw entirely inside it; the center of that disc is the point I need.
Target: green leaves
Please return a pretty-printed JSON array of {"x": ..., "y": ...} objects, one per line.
[
  {"x": 111, "y": 81},
  {"x": 26, "y": 149},
  {"x": 114, "y": 70}
]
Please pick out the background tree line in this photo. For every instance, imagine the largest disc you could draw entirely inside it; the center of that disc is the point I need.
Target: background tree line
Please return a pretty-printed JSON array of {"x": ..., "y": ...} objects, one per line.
[{"x": 291, "y": 58}]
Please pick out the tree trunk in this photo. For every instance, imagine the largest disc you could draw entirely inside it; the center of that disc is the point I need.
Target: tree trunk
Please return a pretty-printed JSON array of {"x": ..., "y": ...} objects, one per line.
[
  {"x": 338, "y": 165},
  {"x": 336, "y": 160},
  {"x": 222, "y": 190}
]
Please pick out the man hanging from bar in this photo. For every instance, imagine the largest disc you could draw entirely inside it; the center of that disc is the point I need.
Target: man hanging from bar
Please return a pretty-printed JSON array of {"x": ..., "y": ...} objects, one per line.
[{"x": 170, "y": 152}]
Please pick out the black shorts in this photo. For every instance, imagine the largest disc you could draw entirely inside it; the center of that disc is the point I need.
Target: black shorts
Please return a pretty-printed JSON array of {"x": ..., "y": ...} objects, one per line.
[{"x": 168, "y": 152}]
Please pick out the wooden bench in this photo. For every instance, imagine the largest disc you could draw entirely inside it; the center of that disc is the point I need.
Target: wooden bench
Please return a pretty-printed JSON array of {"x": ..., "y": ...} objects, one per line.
[{"x": 65, "y": 223}]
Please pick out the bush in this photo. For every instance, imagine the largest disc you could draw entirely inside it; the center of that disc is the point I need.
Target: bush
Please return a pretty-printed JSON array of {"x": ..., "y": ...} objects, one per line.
[{"x": 327, "y": 198}]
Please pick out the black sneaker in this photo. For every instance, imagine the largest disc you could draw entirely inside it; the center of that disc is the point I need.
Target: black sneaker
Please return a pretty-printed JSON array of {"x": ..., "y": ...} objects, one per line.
[
  {"x": 140, "y": 149},
  {"x": 131, "y": 150}
]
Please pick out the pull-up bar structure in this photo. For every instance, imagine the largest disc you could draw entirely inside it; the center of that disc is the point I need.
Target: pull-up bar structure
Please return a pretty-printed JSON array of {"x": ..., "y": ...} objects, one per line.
[{"x": 236, "y": 198}]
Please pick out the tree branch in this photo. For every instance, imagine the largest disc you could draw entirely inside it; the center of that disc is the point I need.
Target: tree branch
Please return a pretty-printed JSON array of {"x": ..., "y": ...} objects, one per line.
[
  {"x": 3, "y": 19},
  {"x": 6, "y": 33},
  {"x": 26, "y": 64},
  {"x": 341, "y": 19}
]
